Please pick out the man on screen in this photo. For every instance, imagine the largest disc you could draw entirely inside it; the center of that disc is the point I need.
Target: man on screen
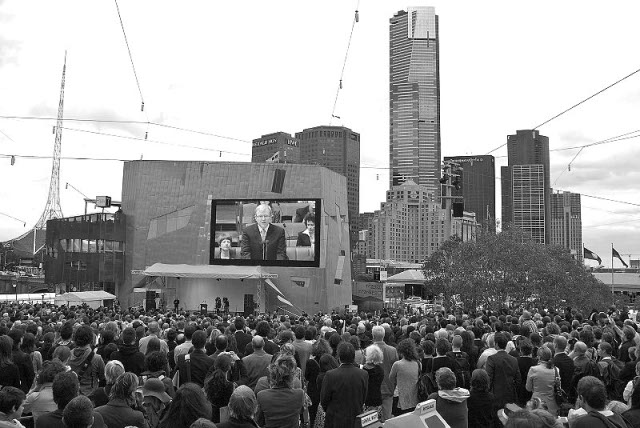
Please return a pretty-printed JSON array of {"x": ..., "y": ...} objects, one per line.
[{"x": 263, "y": 240}]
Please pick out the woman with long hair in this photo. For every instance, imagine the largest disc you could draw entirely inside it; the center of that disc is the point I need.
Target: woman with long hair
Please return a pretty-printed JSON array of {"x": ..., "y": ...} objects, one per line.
[
  {"x": 189, "y": 405},
  {"x": 40, "y": 399},
  {"x": 121, "y": 410},
  {"x": 9, "y": 372},
  {"x": 281, "y": 405},
  {"x": 218, "y": 387},
  {"x": 480, "y": 402},
  {"x": 404, "y": 374},
  {"x": 327, "y": 362},
  {"x": 320, "y": 348},
  {"x": 29, "y": 347},
  {"x": 541, "y": 379}
]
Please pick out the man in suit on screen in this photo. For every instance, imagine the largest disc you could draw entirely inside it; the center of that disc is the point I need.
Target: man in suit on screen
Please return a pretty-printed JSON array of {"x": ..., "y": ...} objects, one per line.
[{"x": 263, "y": 240}]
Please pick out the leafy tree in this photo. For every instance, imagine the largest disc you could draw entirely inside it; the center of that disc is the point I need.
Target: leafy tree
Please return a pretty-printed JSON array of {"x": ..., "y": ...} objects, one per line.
[{"x": 510, "y": 269}]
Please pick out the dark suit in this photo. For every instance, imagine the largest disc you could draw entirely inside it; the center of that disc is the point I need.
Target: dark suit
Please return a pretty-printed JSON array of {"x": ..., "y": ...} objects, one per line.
[
  {"x": 342, "y": 395},
  {"x": 304, "y": 240},
  {"x": 200, "y": 364},
  {"x": 504, "y": 377},
  {"x": 565, "y": 364},
  {"x": 257, "y": 366},
  {"x": 252, "y": 243}
]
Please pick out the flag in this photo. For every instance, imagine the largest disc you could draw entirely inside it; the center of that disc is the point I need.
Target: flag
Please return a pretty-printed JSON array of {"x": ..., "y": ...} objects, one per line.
[
  {"x": 614, "y": 253},
  {"x": 588, "y": 254}
]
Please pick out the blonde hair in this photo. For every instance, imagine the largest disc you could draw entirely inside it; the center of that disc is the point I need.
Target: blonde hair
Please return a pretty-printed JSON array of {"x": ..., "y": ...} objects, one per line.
[{"x": 373, "y": 355}]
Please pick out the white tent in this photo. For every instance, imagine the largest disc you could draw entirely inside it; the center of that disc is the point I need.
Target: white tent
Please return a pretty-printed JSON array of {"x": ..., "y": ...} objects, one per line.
[{"x": 92, "y": 298}]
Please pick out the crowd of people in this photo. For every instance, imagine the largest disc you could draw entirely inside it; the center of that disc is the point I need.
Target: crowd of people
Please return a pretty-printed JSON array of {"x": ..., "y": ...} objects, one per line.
[{"x": 81, "y": 367}]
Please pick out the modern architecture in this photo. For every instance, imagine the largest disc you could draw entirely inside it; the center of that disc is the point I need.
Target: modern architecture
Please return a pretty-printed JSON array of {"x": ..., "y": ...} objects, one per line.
[{"x": 566, "y": 222}]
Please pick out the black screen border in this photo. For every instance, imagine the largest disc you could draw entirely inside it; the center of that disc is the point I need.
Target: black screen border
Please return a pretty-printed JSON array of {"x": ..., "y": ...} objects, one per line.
[{"x": 248, "y": 262}]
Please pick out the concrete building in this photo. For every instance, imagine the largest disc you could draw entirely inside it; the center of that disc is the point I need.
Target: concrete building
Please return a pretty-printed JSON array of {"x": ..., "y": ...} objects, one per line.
[
  {"x": 478, "y": 189},
  {"x": 278, "y": 147},
  {"x": 414, "y": 98},
  {"x": 566, "y": 222},
  {"x": 169, "y": 235},
  {"x": 409, "y": 226},
  {"x": 526, "y": 185},
  {"x": 338, "y": 149}
]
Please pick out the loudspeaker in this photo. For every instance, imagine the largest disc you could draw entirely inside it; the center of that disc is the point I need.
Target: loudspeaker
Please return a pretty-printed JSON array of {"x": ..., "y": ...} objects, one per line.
[
  {"x": 150, "y": 304},
  {"x": 278, "y": 180},
  {"x": 248, "y": 305},
  {"x": 458, "y": 209}
]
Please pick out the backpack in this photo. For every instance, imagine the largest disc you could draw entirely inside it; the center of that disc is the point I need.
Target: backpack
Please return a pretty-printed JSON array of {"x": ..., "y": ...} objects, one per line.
[
  {"x": 426, "y": 385},
  {"x": 611, "y": 378},
  {"x": 462, "y": 369}
]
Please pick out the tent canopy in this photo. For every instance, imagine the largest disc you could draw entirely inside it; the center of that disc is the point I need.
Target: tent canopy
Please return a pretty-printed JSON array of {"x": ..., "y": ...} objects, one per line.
[
  {"x": 84, "y": 296},
  {"x": 208, "y": 271},
  {"x": 408, "y": 276}
]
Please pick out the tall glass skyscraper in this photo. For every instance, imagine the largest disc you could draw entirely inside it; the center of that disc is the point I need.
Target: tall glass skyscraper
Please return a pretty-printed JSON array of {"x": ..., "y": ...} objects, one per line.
[{"x": 414, "y": 98}]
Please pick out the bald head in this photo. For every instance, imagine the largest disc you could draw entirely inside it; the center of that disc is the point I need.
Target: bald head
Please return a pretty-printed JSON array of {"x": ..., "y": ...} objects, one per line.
[
  {"x": 257, "y": 342},
  {"x": 580, "y": 348}
]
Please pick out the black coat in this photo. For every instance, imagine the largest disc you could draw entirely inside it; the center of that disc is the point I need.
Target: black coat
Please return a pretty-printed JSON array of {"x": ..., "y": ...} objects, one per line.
[
  {"x": 200, "y": 364},
  {"x": 130, "y": 357},
  {"x": 565, "y": 364},
  {"x": 342, "y": 396}
]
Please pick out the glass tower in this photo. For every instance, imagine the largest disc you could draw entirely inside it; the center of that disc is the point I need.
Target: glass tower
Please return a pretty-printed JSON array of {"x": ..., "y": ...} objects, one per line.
[{"x": 414, "y": 98}]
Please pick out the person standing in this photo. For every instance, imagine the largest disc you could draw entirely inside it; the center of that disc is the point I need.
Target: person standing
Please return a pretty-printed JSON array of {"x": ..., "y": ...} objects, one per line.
[
  {"x": 563, "y": 362},
  {"x": 199, "y": 363},
  {"x": 504, "y": 373},
  {"x": 303, "y": 349},
  {"x": 389, "y": 356},
  {"x": 541, "y": 380},
  {"x": 128, "y": 354},
  {"x": 154, "y": 331},
  {"x": 404, "y": 375},
  {"x": 344, "y": 390},
  {"x": 257, "y": 363}
]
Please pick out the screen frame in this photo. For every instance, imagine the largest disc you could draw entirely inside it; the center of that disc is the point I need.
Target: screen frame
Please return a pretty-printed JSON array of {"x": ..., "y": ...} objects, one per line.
[{"x": 213, "y": 244}]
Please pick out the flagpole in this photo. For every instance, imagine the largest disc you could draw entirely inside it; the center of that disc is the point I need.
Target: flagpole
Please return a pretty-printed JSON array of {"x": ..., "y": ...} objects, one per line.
[{"x": 612, "y": 288}]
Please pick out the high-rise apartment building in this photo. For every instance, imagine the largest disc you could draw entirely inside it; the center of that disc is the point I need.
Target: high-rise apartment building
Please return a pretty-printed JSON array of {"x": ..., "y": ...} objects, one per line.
[
  {"x": 414, "y": 98},
  {"x": 278, "y": 147},
  {"x": 566, "y": 222},
  {"x": 338, "y": 149},
  {"x": 478, "y": 187},
  {"x": 526, "y": 185}
]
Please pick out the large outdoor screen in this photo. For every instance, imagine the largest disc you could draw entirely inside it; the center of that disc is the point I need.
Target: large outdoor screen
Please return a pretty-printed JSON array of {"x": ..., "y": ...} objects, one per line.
[{"x": 277, "y": 232}]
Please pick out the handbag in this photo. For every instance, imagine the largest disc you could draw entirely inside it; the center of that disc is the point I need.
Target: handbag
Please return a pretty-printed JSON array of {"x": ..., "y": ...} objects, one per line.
[{"x": 559, "y": 394}]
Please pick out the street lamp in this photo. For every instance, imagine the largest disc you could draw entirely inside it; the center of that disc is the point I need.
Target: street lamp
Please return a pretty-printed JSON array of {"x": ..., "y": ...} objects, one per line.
[{"x": 14, "y": 283}]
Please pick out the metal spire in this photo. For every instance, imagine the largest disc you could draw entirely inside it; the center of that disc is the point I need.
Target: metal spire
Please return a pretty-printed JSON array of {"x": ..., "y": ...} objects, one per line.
[{"x": 52, "y": 208}]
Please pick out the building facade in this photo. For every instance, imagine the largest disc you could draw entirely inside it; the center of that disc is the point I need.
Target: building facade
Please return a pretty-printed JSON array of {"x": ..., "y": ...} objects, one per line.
[
  {"x": 566, "y": 222},
  {"x": 414, "y": 98},
  {"x": 526, "y": 185},
  {"x": 336, "y": 148},
  {"x": 409, "y": 226},
  {"x": 278, "y": 147},
  {"x": 86, "y": 252},
  {"x": 478, "y": 188},
  {"x": 169, "y": 207}
]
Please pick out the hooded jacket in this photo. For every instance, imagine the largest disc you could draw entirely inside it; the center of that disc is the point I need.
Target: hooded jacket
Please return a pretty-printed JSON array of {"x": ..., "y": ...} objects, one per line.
[
  {"x": 93, "y": 374},
  {"x": 130, "y": 357},
  {"x": 452, "y": 406}
]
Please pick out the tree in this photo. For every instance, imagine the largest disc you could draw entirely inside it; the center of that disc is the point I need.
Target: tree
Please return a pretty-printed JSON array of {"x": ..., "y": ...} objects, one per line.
[{"x": 510, "y": 269}]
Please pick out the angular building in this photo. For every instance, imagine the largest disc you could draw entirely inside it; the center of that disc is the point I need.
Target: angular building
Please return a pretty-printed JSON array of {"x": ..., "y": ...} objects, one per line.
[
  {"x": 566, "y": 222},
  {"x": 336, "y": 148},
  {"x": 478, "y": 187},
  {"x": 278, "y": 147},
  {"x": 414, "y": 98},
  {"x": 526, "y": 185}
]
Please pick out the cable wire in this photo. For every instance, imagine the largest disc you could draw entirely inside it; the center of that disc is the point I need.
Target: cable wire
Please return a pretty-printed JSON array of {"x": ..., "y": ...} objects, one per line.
[
  {"x": 126, "y": 41},
  {"x": 575, "y": 105},
  {"x": 356, "y": 18}
]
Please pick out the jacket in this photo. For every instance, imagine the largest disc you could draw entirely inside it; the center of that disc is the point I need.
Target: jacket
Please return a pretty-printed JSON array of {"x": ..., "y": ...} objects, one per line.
[
  {"x": 389, "y": 356},
  {"x": 118, "y": 414},
  {"x": 200, "y": 364},
  {"x": 504, "y": 377},
  {"x": 452, "y": 406},
  {"x": 130, "y": 357},
  {"x": 90, "y": 378},
  {"x": 342, "y": 396},
  {"x": 256, "y": 365}
]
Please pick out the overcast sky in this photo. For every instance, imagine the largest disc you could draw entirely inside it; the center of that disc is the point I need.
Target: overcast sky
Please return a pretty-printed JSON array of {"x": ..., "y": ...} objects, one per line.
[{"x": 240, "y": 69}]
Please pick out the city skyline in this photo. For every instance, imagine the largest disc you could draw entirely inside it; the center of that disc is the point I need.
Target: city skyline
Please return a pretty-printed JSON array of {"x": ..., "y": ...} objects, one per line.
[{"x": 498, "y": 73}]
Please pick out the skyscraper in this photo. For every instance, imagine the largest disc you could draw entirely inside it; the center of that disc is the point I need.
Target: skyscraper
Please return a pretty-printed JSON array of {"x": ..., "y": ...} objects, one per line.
[
  {"x": 478, "y": 188},
  {"x": 338, "y": 149},
  {"x": 414, "y": 98},
  {"x": 526, "y": 185},
  {"x": 566, "y": 222}
]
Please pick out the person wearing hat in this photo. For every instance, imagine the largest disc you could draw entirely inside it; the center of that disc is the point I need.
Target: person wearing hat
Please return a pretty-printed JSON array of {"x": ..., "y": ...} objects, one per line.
[{"x": 155, "y": 400}]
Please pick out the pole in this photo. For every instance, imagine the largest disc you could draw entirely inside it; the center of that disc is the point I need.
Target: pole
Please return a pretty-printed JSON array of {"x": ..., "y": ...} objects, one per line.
[
  {"x": 447, "y": 214},
  {"x": 612, "y": 287}
]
